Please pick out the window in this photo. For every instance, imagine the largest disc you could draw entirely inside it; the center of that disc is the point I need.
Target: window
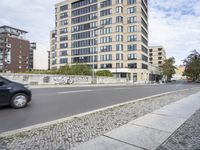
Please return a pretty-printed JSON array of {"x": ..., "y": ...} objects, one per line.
[
  {"x": 82, "y": 3},
  {"x": 63, "y": 8},
  {"x": 119, "y": 19},
  {"x": 106, "y": 39},
  {"x": 63, "y": 53},
  {"x": 63, "y": 23},
  {"x": 106, "y": 3},
  {"x": 132, "y": 47},
  {"x": 131, "y": 38},
  {"x": 63, "y": 45},
  {"x": 132, "y": 56},
  {"x": 106, "y": 12},
  {"x": 119, "y": 9},
  {"x": 63, "y": 31},
  {"x": 84, "y": 10},
  {"x": 131, "y": 2},
  {"x": 119, "y": 28},
  {"x": 144, "y": 49},
  {"x": 131, "y": 10},
  {"x": 64, "y": 38},
  {"x": 119, "y": 37},
  {"x": 84, "y": 18},
  {"x": 132, "y": 29},
  {"x": 119, "y": 47},
  {"x": 119, "y": 1},
  {"x": 119, "y": 56},
  {"x": 106, "y": 21},
  {"x": 144, "y": 58},
  {"x": 106, "y": 48},
  {"x": 106, "y": 30},
  {"x": 132, "y": 19},
  {"x": 107, "y": 57},
  {"x": 144, "y": 66},
  {"x": 106, "y": 66},
  {"x": 63, "y": 15},
  {"x": 63, "y": 60},
  {"x": 144, "y": 41},
  {"x": 132, "y": 65}
]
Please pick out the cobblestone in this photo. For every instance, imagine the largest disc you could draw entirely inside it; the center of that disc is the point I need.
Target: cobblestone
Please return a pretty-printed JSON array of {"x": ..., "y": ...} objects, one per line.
[
  {"x": 78, "y": 130},
  {"x": 187, "y": 137}
]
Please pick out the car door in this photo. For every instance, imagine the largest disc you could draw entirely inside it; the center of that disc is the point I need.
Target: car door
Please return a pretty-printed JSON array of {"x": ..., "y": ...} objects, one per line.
[{"x": 4, "y": 92}]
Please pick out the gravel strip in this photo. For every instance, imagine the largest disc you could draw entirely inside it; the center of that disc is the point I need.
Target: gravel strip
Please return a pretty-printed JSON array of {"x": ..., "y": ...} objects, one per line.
[
  {"x": 78, "y": 130},
  {"x": 187, "y": 137}
]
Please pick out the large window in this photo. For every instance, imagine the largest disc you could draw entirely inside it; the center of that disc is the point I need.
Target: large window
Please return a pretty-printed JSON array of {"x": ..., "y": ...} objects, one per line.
[
  {"x": 132, "y": 47},
  {"x": 63, "y": 45},
  {"x": 106, "y": 30},
  {"x": 63, "y": 8},
  {"x": 63, "y": 60},
  {"x": 106, "y": 21},
  {"x": 119, "y": 38},
  {"x": 107, "y": 57},
  {"x": 131, "y": 2},
  {"x": 119, "y": 28},
  {"x": 83, "y": 35},
  {"x": 132, "y": 19},
  {"x": 83, "y": 27},
  {"x": 106, "y": 48},
  {"x": 106, "y": 3},
  {"x": 119, "y": 19},
  {"x": 106, "y": 12},
  {"x": 132, "y": 65},
  {"x": 106, "y": 66},
  {"x": 82, "y": 3},
  {"x": 132, "y": 56},
  {"x": 63, "y": 53},
  {"x": 131, "y": 38},
  {"x": 119, "y": 1},
  {"x": 84, "y": 10},
  {"x": 119, "y": 9},
  {"x": 106, "y": 39},
  {"x": 132, "y": 29},
  {"x": 119, "y": 47},
  {"x": 131, "y": 10},
  {"x": 84, "y": 18},
  {"x": 84, "y": 43}
]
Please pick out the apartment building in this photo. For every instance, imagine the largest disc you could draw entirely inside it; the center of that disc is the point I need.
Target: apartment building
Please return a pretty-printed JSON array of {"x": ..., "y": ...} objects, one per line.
[
  {"x": 14, "y": 49},
  {"x": 106, "y": 34},
  {"x": 157, "y": 55}
]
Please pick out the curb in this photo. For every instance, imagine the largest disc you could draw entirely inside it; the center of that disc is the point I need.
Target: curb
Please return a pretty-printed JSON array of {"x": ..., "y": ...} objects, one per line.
[{"x": 17, "y": 131}]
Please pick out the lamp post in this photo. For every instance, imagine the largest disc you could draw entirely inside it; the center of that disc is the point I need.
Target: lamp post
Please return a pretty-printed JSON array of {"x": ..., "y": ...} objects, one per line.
[{"x": 93, "y": 60}]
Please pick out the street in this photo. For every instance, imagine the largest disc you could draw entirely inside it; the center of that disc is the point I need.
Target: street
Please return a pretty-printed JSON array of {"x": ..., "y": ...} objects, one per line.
[{"x": 54, "y": 103}]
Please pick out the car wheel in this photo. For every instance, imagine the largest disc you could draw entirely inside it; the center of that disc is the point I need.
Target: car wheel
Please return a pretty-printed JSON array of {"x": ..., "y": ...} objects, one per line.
[{"x": 19, "y": 100}]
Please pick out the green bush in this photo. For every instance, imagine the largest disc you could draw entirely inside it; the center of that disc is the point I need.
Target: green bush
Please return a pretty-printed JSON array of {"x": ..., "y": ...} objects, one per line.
[{"x": 106, "y": 73}]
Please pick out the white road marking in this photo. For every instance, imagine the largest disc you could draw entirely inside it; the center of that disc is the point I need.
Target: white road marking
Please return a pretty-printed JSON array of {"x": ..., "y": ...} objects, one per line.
[
  {"x": 120, "y": 88},
  {"x": 79, "y": 91}
]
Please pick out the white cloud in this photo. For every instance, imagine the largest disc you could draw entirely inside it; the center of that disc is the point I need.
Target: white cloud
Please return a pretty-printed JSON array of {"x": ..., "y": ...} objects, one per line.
[{"x": 175, "y": 25}]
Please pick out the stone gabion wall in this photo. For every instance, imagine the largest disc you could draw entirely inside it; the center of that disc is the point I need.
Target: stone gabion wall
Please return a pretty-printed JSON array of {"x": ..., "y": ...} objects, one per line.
[{"x": 59, "y": 79}]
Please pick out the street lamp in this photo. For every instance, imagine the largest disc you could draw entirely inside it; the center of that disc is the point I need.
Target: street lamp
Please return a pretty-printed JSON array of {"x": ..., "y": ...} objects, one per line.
[{"x": 96, "y": 36}]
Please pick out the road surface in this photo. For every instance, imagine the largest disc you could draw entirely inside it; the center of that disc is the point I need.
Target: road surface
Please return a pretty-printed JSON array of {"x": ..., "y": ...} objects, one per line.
[{"x": 55, "y": 103}]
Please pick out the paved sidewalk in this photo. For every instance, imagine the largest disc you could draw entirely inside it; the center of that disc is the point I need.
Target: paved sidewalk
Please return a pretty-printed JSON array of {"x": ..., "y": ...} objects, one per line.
[
  {"x": 147, "y": 132},
  {"x": 88, "y": 85}
]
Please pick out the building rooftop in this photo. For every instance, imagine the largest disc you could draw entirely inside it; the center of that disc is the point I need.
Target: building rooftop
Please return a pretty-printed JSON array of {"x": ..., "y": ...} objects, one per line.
[{"x": 6, "y": 28}]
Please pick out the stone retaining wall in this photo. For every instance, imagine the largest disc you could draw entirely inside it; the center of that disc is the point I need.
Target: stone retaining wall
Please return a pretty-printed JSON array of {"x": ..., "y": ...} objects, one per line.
[{"x": 44, "y": 79}]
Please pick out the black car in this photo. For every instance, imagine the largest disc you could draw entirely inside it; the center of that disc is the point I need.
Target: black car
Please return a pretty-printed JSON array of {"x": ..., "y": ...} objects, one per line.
[{"x": 14, "y": 94}]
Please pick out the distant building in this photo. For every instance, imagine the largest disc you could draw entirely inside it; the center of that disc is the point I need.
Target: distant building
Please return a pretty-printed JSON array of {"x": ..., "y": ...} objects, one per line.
[
  {"x": 157, "y": 55},
  {"x": 49, "y": 60},
  {"x": 52, "y": 54},
  {"x": 31, "y": 55},
  {"x": 14, "y": 50},
  {"x": 179, "y": 73}
]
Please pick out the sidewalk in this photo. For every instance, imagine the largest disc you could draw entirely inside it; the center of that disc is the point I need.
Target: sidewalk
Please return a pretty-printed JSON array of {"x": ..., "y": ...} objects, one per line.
[
  {"x": 147, "y": 132},
  {"x": 87, "y": 85}
]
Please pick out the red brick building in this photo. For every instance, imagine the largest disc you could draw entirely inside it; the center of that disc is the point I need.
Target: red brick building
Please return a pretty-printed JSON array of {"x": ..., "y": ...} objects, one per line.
[{"x": 14, "y": 50}]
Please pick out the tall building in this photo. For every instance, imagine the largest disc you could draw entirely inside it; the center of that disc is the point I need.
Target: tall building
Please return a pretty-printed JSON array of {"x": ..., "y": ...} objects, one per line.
[
  {"x": 52, "y": 53},
  {"x": 14, "y": 49},
  {"x": 157, "y": 55},
  {"x": 106, "y": 34}
]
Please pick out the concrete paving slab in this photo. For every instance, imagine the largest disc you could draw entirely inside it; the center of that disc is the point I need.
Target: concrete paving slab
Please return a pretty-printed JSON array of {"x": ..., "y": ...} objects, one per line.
[
  {"x": 178, "y": 110},
  {"x": 143, "y": 137},
  {"x": 104, "y": 143},
  {"x": 160, "y": 122}
]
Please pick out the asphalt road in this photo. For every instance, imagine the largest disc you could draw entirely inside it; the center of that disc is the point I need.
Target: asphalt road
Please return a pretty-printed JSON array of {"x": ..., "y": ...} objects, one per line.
[{"x": 55, "y": 103}]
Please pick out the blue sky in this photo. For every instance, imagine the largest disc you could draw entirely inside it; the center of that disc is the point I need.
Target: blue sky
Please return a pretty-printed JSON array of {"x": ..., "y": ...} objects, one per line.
[{"x": 173, "y": 24}]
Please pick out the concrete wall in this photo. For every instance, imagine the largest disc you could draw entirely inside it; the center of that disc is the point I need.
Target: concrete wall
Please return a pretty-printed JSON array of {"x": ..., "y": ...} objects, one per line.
[{"x": 45, "y": 79}]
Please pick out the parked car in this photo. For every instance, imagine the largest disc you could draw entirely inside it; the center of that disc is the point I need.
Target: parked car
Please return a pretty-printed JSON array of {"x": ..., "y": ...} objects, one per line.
[{"x": 14, "y": 94}]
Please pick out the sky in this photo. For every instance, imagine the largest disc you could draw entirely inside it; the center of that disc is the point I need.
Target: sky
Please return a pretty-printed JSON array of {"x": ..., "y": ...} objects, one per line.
[{"x": 174, "y": 24}]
